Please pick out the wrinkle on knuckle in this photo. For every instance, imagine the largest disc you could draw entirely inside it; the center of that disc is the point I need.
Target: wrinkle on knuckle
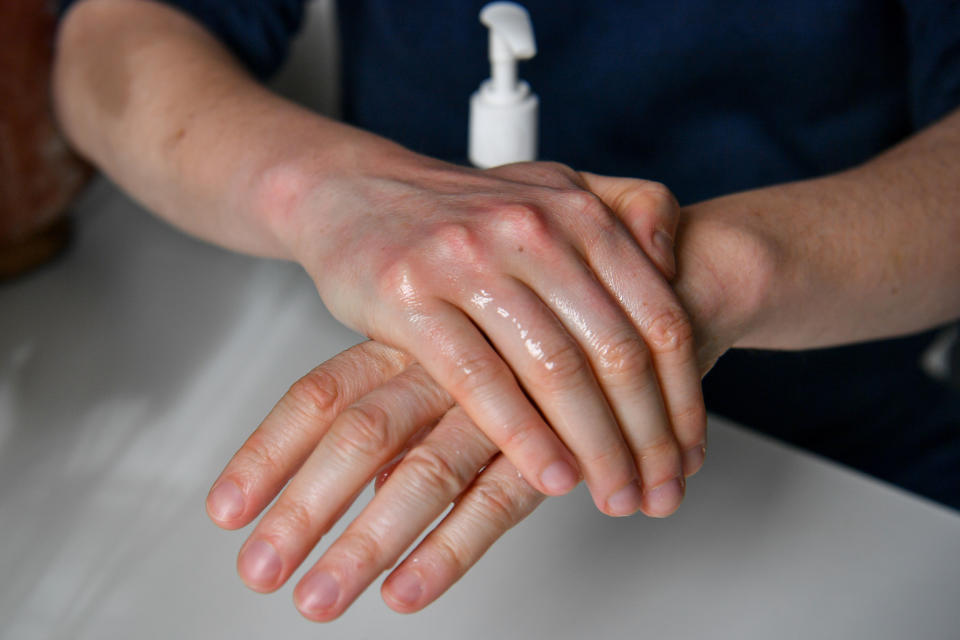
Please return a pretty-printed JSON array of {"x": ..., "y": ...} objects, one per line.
[
  {"x": 365, "y": 431},
  {"x": 361, "y": 549},
  {"x": 476, "y": 372},
  {"x": 427, "y": 472},
  {"x": 260, "y": 452},
  {"x": 692, "y": 422},
  {"x": 668, "y": 331},
  {"x": 662, "y": 447},
  {"x": 449, "y": 554},
  {"x": 314, "y": 394},
  {"x": 293, "y": 517},
  {"x": 565, "y": 368},
  {"x": 623, "y": 355},
  {"x": 613, "y": 457},
  {"x": 515, "y": 437},
  {"x": 493, "y": 502}
]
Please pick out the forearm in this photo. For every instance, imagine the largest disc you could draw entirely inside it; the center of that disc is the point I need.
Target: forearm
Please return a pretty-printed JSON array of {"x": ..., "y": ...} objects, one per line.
[
  {"x": 867, "y": 253},
  {"x": 158, "y": 104}
]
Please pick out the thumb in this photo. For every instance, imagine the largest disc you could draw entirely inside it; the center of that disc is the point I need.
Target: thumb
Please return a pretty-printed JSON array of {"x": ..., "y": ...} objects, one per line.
[{"x": 648, "y": 209}]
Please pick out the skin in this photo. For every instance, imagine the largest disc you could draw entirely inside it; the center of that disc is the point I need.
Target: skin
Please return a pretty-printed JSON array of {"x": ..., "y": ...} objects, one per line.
[
  {"x": 162, "y": 108},
  {"x": 864, "y": 254},
  {"x": 505, "y": 284}
]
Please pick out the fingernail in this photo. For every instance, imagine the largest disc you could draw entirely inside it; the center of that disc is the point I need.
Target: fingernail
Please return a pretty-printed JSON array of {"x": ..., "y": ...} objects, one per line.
[
  {"x": 320, "y": 591},
  {"x": 406, "y": 587},
  {"x": 693, "y": 459},
  {"x": 664, "y": 244},
  {"x": 225, "y": 502},
  {"x": 626, "y": 501},
  {"x": 260, "y": 564},
  {"x": 664, "y": 499},
  {"x": 559, "y": 477}
]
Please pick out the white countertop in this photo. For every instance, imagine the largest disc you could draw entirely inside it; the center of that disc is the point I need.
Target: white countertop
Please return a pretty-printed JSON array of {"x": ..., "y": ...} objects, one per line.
[{"x": 132, "y": 368}]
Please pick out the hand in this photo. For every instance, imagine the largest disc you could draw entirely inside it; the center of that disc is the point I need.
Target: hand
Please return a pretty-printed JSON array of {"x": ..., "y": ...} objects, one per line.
[
  {"x": 530, "y": 270},
  {"x": 379, "y": 387}
]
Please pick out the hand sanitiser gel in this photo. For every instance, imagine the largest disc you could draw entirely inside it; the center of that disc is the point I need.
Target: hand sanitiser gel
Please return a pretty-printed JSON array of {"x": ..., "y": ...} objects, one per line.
[{"x": 503, "y": 111}]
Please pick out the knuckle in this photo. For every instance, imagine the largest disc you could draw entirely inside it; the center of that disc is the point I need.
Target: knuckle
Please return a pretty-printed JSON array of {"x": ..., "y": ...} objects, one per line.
[
  {"x": 448, "y": 553},
  {"x": 564, "y": 368},
  {"x": 456, "y": 241},
  {"x": 515, "y": 437},
  {"x": 396, "y": 280},
  {"x": 361, "y": 549},
  {"x": 624, "y": 355},
  {"x": 557, "y": 167},
  {"x": 260, "y": 452},
  {"x": 429, "y": 473},
  {"x": 691, "y": 422},
  {"x": 364, "y": 431},
  {"x": 523, "y": 221},
  {"x": 314, "y": 394},
  {"x": 475, "y": 372},
  {"x": 659, "y": 193},
  {"x": 662, "y": 447},
  {"x": 493, "y": 502},
  {"x": 295, "y": 517},
  {"x": 669, "y": 331},
  {"x": 610, "y": 461},
  {"x": 595, "y": 217}
]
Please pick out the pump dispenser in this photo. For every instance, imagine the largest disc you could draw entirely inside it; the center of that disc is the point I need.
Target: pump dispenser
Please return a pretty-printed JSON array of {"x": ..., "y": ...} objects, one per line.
[{"x": 503, "y": 111}]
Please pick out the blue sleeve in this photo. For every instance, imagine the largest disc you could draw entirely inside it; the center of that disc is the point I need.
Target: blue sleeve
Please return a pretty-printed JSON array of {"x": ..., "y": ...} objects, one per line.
[
  {"x": 258, "y": 32},
  {"x": 933, "y": 33}
]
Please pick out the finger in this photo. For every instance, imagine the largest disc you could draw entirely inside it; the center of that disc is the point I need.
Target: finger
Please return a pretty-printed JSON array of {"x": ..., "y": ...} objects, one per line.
[
  {"x": 648, "y": 209},
  {"x": 273, "y": 453},
  {"x": 623, "y": 365},
  {"x": 420, "y": 488},
  {"x": 453, "y": 350},
  {"x": 495, "y": 502},
  {"x": 655, "y": 311},
  {"x": 651, "y": 213},
  {"x": 361, "y": 439},
  {"x": 558, "y": 376}
]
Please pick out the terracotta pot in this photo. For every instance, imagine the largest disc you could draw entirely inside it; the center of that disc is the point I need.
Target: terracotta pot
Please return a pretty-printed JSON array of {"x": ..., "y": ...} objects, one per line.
[{"x": 39, "y": 175}]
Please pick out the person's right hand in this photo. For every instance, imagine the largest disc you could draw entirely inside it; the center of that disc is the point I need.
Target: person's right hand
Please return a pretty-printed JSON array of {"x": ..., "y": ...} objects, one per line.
[{"x": 523, "y": 292}]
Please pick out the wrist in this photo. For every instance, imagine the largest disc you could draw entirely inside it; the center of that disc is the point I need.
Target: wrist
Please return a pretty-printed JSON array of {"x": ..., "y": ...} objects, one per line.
[
  {"x": 301, "y": 195},
  {"x": 728, "y": 270}
]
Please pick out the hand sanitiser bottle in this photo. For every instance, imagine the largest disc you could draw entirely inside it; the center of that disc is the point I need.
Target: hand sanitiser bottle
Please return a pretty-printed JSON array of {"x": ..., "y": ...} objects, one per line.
[{"x": 503, "y": 111}]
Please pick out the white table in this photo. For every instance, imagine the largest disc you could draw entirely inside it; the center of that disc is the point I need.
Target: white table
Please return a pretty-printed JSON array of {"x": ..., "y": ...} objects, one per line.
[{"x": 131, "y": 369}]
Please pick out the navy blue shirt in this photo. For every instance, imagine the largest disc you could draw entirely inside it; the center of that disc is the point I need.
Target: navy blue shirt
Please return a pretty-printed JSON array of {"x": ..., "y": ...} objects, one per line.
[{"x": 709, "y": 97}]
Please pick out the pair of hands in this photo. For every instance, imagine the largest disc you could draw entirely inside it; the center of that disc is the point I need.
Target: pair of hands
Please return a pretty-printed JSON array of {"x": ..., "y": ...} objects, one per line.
[{"x": 537, "y": 295}]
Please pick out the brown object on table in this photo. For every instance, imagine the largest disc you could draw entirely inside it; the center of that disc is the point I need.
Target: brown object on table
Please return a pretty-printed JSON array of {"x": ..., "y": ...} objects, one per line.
[{"x": 39, "y": 175}]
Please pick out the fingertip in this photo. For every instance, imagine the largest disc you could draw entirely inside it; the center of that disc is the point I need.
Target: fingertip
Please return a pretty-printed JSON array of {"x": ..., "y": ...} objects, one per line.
[
  {"x": 624, "y": 502},
  {"x": 226, "y": 504},
  {"x": 693, "y": 459},
  {"x": 260, "y": 567},
  {"x": 403, "y": 591},
  {"x": 316, "y": 597},
  {"x": 559, "y": 478},
  {"x": 664, "y": 252},
  {"x": 664, "y": 499}
]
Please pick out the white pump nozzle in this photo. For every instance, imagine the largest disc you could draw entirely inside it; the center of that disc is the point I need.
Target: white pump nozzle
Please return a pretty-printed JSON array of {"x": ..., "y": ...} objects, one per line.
[
  {"x": 511, "y": 39},
  {"x": 503, "y": 112}
]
